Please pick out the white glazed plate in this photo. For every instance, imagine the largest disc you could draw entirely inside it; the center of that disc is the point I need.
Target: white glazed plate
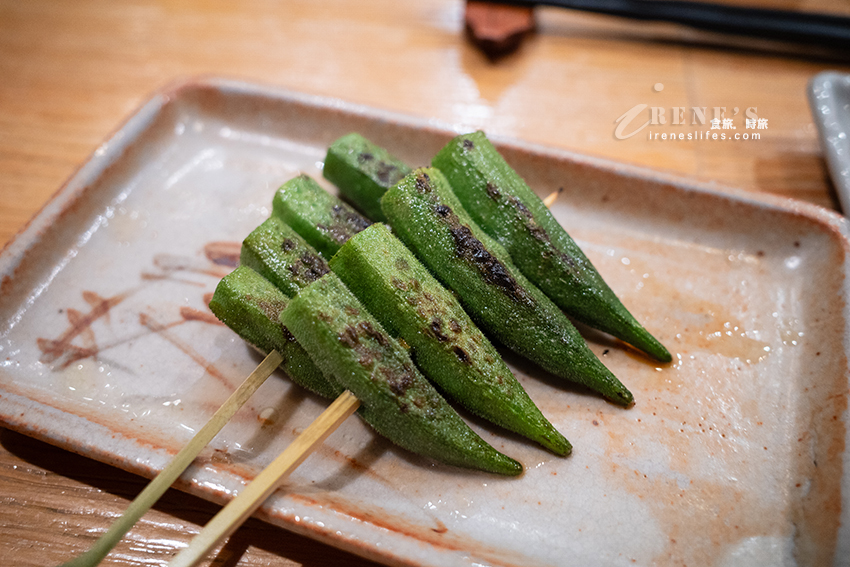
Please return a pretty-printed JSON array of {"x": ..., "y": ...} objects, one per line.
[{"x": 733, "y": 454}]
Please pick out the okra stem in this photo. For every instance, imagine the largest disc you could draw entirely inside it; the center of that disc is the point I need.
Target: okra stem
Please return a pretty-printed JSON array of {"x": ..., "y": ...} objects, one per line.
[
  {"x": 322, "y": 219},
  {"x": 279, "y": 254},
  {"x": 363, "y": 171},
  {"x": 251, "y": 306}
]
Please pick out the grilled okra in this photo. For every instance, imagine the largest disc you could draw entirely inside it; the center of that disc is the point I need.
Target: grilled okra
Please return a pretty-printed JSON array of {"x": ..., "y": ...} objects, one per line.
[
  {"x": 279, "y": 254},
  {"x": 363, "y": 172},
  {"x": 351, "y": 346},
  {"x": 429, "y": 219},
  {"x": 322, "y": 219},
  {"x": 445, "y": 344},
  {"x": 250, "y": 305},
  {"x": 498, "y": 199}
]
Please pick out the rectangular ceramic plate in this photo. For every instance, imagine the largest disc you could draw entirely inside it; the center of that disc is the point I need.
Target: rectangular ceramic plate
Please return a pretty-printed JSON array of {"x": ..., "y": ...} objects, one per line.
[{"x": 734, "y": 454}]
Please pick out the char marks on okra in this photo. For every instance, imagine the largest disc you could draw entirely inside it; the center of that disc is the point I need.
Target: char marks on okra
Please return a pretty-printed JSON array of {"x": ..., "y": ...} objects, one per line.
[
  {"x": 352, "y": 347},
  {"x": 279, "y": 254},
  {"x": 445, "y": 344},
  {"x": 322, "y": 219},
  {"x": 252, "y": 307},
  {"x": 503, "y": 205},
  {"x": 429, "y": 219},
  {"x": 363, "y": 171}
]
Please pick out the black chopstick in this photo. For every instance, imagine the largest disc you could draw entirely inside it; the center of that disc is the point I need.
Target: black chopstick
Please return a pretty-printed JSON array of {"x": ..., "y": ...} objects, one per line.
[{"x": 825, "y": 30}]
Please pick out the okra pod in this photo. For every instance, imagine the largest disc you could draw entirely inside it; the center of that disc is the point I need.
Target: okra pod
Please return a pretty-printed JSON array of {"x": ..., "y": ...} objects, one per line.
[
  {"x": 279, "y": 254},
  {"x": 322, "y": 219},
  {"x": 429, "y": 219},
  {"x": 503, "y": 205},
  {"x": 251, "y": 306},
  {"x": 363, "y": 171},
  {"x": 350, "y": 346},
  {"x": 445, "y": 344}
]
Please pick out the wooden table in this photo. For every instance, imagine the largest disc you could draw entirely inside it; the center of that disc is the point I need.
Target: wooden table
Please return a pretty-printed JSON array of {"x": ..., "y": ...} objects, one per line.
[{"x": 71, "y": 72}]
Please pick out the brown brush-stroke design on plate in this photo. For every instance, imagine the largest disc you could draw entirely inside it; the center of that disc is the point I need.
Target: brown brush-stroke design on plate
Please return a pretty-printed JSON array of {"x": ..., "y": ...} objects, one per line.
[
  {"x": 80, "y": 324},
  {"x": 64, "y": 349},
  {"x": 162, "y": 329},
  {"x": 223, "y": 253},
  {"x": 192, "y": 314}
]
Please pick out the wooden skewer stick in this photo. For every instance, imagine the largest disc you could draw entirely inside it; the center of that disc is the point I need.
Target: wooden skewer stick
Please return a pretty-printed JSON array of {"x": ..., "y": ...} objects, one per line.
[
  {"x": 240, "y": 508},
  {"x": 550, "y": 200},
  {"x": 157, "y": 487}
]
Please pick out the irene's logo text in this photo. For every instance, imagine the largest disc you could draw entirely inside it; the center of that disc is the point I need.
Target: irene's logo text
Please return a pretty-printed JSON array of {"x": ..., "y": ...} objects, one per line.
[{"x": 640, "y": 116}]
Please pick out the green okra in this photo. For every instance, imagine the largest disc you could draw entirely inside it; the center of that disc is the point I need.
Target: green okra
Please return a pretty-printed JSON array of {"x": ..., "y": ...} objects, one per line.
[
  {"x": 363, "y": 172},
  {"x": 279, "y": 254},
  {"x": 251, "y": 306},
  {"x": 502, "y": 204},
  {"x": 322, "y": 219},
  {"x": 445, "y": 344},
  {"x": 429, "y": 219},
  {"x": 350, "y": 346}
]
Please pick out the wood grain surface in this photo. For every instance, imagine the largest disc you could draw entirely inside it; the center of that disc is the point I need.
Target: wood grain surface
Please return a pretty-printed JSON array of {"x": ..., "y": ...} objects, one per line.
[{"x": 71, "y": 72}]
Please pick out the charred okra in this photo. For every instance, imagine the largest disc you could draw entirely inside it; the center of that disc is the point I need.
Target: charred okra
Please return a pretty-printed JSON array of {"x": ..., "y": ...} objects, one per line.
[
  {"x": 446, "y": 345},
  {"x": 251, "y": 306},
  {"x": 426, "y": 216},
  {"x": 350, "y": 346},
  {"x": 322, "y": 219},
  {"x": 498, "y": 199},
  {"x": 279, "y": 254},
  {"x": 363, "y": 172}
]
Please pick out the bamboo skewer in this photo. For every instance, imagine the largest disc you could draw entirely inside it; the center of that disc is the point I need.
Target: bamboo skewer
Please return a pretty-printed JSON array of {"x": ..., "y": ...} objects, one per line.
[
  {"x": 831, "y": 31},
  {"x": 157, "y": 487},
  {"x": 246, "y": 502},
  {"x": 553, "y": 196}
]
